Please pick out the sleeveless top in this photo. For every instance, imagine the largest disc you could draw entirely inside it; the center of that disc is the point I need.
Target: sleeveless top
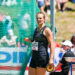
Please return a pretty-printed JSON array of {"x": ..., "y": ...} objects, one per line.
[{"x": 42, "y": 43}]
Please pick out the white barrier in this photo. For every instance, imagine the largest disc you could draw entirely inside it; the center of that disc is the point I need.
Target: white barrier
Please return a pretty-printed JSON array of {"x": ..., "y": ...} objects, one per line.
[{"x": 11, "y": 60}]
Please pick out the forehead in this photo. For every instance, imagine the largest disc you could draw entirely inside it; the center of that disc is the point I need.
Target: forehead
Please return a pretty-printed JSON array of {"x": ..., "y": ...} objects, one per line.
[{"x": 40, "y": 15}]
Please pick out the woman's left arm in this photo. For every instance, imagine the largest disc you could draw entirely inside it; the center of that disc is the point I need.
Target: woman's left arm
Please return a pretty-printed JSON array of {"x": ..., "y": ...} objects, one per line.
[{"x": 49, "y": 37}]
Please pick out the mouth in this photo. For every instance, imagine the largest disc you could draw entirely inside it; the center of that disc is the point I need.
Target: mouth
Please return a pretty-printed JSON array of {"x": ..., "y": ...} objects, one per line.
[{"x": 39, "y": 21}]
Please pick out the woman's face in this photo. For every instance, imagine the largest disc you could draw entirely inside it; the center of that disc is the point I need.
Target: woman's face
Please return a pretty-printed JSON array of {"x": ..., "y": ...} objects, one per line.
[{"x": 40, "y": 19}]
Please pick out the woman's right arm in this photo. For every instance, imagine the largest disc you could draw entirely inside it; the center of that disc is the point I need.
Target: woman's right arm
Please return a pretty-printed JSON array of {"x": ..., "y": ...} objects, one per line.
[{"x": 27, "y": 40}]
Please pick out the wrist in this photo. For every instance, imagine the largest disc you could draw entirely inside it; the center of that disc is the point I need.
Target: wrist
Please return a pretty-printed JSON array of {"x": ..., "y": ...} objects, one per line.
[
  {"x": 51, "y": 59},
  {"x": 30, "y": 40},
  {"x": 51, "y": 56}
]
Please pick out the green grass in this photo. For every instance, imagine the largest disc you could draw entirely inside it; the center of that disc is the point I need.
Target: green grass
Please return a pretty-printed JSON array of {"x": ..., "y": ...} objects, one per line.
[{"x": 65, "y": 23}]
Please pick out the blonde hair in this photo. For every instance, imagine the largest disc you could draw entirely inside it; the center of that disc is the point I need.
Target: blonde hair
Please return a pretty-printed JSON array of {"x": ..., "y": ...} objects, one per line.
[{"x": 41, "y": 13}]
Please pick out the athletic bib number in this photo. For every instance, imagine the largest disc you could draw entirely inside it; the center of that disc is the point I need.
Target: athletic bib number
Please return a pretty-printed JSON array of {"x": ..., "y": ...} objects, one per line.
[{"x": 35, "y": 46}]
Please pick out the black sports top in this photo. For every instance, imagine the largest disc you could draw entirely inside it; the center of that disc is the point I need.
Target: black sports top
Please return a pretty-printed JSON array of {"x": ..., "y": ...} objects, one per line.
[{"x": 42, "y": 42}]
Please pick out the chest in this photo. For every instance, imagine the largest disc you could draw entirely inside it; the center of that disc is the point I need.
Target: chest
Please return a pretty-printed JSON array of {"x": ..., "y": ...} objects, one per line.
[{"x": 39, "y": 36}]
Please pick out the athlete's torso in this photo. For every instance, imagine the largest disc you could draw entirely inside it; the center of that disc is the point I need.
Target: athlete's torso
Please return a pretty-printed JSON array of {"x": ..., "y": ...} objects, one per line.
[{"x": 42, "y": 42}]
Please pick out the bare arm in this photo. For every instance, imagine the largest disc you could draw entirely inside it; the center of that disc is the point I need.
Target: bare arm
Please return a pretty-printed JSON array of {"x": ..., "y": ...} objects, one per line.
[
  {"x": 27, "y": 40},
  {"x": 47, "y": 2},
  {"x": 49, "y": 37}
]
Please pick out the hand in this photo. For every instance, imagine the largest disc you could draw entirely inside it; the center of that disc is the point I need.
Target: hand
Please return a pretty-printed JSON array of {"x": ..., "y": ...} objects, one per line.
[
  {"x": 54, "y": 70},
  {"x": 51, "y": 63},
  {"x": 26, "y": 39}
]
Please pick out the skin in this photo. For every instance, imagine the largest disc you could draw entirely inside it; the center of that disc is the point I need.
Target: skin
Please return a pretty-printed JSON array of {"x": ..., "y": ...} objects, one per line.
[
  {"x": 47, "y": 2},
  {"x": 41, "y": 8},
  {"x": 48, "y": 34},
  {"x": 58, "y": 4}
]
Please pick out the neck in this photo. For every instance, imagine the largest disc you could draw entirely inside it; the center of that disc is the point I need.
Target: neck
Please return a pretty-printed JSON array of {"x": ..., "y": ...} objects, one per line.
[{"x": 40, "y": 26}]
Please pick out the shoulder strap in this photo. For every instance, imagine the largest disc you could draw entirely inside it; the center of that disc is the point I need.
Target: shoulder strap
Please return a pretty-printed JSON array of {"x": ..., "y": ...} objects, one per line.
[{"x": 43, "y": 29}]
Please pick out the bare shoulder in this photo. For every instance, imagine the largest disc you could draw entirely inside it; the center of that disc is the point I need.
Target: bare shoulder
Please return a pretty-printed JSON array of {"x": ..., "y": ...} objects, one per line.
[{"x": 47, "y": 31}]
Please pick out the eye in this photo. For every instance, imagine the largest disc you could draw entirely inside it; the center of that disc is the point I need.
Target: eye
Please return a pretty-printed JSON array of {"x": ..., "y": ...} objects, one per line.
[{"x": 39, "y": 18}]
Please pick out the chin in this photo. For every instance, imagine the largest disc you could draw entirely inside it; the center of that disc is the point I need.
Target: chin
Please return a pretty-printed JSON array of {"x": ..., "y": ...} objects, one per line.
[{"x": 40, "y": 24}]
